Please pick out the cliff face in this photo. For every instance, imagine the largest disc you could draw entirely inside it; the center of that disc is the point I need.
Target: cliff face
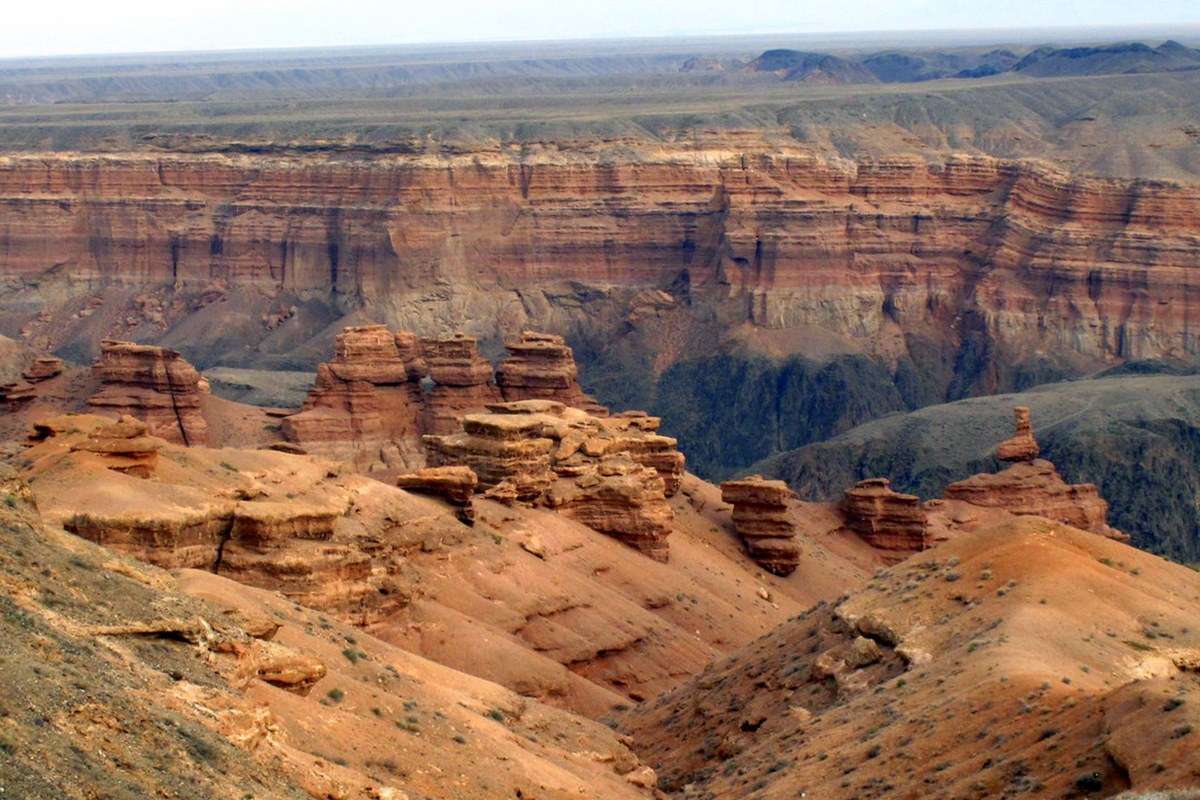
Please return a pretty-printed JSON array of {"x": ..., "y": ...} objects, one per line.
[
  {"x": 867, "y": 251},
  {"x": 963, "y": 273}
]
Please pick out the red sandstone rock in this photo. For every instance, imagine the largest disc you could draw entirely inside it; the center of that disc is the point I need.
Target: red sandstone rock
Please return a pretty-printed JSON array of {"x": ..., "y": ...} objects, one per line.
[
  {"x": 43, "y": 368},
  {"x": 885, "y": 518},
  {"x": 1036, "y": 488},
  {"x": 367, "y": 402},
  {"x": 604, "y": 472},
  {"x": 153, "y": 384},
  {"x": 462, "y": 382},
  {"x": 619, "y": 497},
  {"x": 125, "y": 447},
  {"x": 1022, "y": 446},
  {"x": 455, "y": 484},
  {"x": 16, "y": 394},
  {"x": 542, "y": 366},
  {"x": 762, "y": 519}
]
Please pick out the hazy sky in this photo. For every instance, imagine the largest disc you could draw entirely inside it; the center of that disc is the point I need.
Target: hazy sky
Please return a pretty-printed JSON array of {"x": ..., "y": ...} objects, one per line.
[{"x": 108, "y": 26}]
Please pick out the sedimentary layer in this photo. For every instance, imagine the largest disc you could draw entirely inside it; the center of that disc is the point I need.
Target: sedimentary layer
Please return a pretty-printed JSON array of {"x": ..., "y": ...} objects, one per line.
[{"x": 1017, "y": 252}]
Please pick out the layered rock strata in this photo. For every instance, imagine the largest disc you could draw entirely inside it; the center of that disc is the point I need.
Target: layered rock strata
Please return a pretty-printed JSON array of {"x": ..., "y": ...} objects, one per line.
[
  {"x": 885, "y": 518},
  {"x": 1035, "y": 488},
  {"x": 43, "y": 368},
  {"x": 590, "y": 468},
  {"x": 153, "y": 384},
  {"x": 124, "y": 447},
  {"x": 367, "y": 404},
  {"x": 1020, "y": 254},
  {"x": 542, "y": 366},
  {"x": 763, "y": 520},
  {"x": 456, "y": 485},
  {"x": 463, "y": 382}
]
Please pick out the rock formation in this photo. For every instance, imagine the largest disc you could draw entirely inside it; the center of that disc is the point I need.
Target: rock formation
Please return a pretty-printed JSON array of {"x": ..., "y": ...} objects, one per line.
[
  {"x": 16, "y": 394},
  {"x": 542, "y": 366},
  {"x": 366, "y": 404},
  {"x": 601, "y": 471},
  {"x": 456, "y": 485},
  {"x": 124, "y": 447},
  {"x": 763, "y": 520},
  {"x": 43, "y": 368},
  {"x": 1043, "y": 243},
  {"x": 885, "y": 518},
  {"x": 1035, "y": 487},
  {"x": 1022, "y": 446},
  {"x": 153, "y": 384},
  {"x": 619, "y": 497},
  {"x": 462, "y": 382}
]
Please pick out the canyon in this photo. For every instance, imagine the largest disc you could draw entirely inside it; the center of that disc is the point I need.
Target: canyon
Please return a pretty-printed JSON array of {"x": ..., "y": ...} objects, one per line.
[{"x": 675, "y": 271}]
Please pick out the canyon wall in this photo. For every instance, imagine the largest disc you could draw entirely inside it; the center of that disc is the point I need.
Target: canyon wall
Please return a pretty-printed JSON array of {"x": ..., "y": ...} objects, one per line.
[{"x": 964, "y": 277}]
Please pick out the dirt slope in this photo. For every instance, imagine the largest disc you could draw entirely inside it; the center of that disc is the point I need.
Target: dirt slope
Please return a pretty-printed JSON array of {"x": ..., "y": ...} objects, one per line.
[{"x": 1026, "y": 657}]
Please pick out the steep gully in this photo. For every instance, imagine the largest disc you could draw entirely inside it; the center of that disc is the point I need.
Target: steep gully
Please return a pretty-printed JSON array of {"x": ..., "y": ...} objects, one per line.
[{"x": 720, "y": 288}]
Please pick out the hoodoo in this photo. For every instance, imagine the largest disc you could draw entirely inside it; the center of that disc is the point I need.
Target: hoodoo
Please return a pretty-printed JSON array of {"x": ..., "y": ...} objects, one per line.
[
  {"x": 763, "y": 520},
  {"x": 463, "y": 381},
  {"x": 1032, "y": 486},
  {"x": 153, "y": 384},
  {"x": 886, "y": 518},
  {"x": 542, "y": 366},
  {"x": 366, "y": 405}
]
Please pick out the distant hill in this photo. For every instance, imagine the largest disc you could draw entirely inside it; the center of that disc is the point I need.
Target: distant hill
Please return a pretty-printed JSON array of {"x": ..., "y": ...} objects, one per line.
[
  {"x": 1046, "y": 62},
  {"x": 914, "y": 66},
  {"x": 897, "y": 66},
  {"x": 798, "y": 65}
]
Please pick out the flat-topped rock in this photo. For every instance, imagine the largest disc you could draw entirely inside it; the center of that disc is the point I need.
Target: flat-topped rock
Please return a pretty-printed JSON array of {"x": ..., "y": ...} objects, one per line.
[
  {"x": 885, "y": 518},
  {"x": 366, "y": 404},
  {"x": 124, "y": 447},
  {"x": 763, "y": 520},
  {"x": 542, "y": 366},
  {"x": 153, "y": 384},
  {"x": 43, "y": 368},
  {"x": 456, "y": 485}
]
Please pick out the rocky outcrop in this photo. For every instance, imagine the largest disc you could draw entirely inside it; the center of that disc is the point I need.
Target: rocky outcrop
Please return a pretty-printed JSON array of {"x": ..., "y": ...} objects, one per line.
[
  {"x": 366, "y": 405},
  {"x": 763, "y": 520},
  {"x": 1035, "y": 488},
  {"x": 542, "y": 366},
  {"x": 17, "y": 394},
  {"x": 124, "y": 446},
  {"x": 463, "y": 382},
  {"x": 153, "y": 384},
  {"x": 885, "y": 518},
  {"x": 1022, "y": 446},
  {"x": 456, "y": 485},
  {"x": 43, "y": 368},
  {"x": 593, "y": 469},
  {"x": 619, "y": 497}
]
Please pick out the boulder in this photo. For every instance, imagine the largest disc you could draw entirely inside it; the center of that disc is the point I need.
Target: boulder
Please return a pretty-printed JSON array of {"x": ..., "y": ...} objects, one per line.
[{"x": 455, "y": 484}]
